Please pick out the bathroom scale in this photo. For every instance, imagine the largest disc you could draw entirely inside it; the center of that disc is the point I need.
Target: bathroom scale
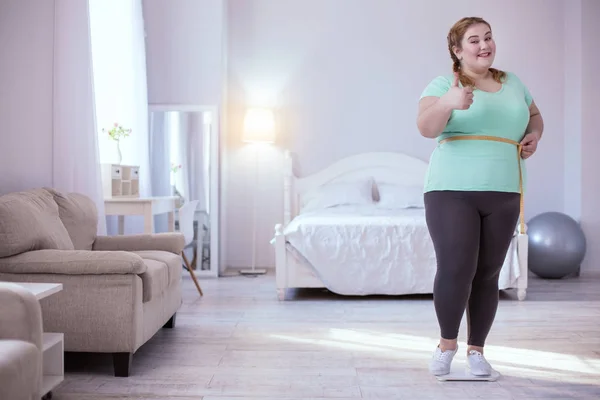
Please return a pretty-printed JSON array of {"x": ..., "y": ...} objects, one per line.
[{"x": 461, "y": 373}]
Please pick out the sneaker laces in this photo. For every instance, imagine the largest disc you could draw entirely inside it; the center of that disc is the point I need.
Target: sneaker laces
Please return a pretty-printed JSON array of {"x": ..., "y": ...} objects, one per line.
[
  {"x": 478, "y": 355},
  {"x": 443, "y": 355}
]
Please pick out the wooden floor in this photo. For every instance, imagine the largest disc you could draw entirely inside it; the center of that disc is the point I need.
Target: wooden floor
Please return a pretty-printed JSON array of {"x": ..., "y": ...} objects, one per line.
[{"x": 239, "y": 342}]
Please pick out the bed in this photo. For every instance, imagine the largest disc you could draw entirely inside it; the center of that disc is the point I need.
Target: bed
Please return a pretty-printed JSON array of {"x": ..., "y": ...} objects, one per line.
[{"x": 358, "y": 228}]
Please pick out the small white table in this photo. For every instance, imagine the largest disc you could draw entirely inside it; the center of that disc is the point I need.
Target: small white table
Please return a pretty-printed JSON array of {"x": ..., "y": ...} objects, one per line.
[
  {"x": 41, "y": 290},
  {"x": 146, "y": 206},
  {"x": 53, "y": 343}
]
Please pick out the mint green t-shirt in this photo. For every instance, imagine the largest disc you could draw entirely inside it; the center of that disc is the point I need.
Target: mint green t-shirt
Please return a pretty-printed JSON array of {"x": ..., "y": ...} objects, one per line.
[{"x": 478, "y": 165}]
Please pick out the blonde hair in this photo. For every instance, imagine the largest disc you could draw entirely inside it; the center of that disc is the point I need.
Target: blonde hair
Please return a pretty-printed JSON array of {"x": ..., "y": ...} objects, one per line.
[{"x": 455, "y": 37}]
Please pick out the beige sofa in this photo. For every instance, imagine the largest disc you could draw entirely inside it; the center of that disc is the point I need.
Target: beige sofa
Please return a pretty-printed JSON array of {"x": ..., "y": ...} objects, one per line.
[
  {"x": 20, "y": 344},
  {"x": 118, "y": 291}
]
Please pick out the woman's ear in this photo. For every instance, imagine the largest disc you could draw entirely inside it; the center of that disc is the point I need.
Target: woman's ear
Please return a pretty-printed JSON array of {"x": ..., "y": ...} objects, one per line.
[{"x": 457, "y": 52}]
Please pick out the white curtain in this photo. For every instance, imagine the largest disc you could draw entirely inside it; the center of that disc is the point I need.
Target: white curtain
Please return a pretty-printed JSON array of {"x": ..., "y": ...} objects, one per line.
[
  {"x": 119, "y": 63},
  {"x": 138, "y": 149},
  {"x": 75, "y": 142}
]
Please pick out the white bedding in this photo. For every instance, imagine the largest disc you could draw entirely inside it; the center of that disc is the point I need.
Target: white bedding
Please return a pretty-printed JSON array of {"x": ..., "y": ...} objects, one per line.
[{"x": 363, "y": 250}]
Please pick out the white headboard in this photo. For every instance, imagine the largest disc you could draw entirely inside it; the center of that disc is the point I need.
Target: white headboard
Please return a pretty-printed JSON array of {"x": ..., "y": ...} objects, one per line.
[{"x": 384, "y": 167}]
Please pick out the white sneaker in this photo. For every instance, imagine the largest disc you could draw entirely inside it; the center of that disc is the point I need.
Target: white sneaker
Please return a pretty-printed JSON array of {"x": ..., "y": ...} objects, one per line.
[
  {"x": 477, "y": 364},
  {"x": 441, "y": 361}
]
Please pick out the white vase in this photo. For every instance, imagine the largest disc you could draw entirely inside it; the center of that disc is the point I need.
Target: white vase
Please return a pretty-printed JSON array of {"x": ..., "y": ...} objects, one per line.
[{"x": 119, "y": 155}]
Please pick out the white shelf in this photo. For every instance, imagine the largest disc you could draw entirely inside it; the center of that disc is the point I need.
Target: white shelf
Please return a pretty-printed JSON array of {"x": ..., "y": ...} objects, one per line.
[
  {"x": 41, "y": 290},
  {"x": 54, "y": 361},
  {"x": 51, "y": 339},
  {"x": 120, "y": 181},
  {"x": 53, "y": 344},
  {"x": 50, "y": 382}
]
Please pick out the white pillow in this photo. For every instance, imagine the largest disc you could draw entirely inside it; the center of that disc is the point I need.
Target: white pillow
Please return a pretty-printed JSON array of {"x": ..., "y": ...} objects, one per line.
[
  {"x": 400, "y": 196},
  {"x": 338, "y": 194}
]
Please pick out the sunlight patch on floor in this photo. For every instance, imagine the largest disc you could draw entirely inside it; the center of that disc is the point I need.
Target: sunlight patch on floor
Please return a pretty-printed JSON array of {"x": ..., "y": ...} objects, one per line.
[
  {"x": 503, "y": 354},
  {"x": 518, "y": 362},
  {"x": 336, "y": 344},
  {"x": 547, "y": 375}
]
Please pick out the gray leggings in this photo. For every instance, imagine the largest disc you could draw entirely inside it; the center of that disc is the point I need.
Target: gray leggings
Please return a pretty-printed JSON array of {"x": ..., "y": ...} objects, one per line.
[{"x": 471, "y": 233}]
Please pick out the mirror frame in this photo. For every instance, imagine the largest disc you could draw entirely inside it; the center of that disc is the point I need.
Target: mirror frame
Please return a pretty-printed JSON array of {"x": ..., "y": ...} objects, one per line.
[{"x": 215, "y": 162}]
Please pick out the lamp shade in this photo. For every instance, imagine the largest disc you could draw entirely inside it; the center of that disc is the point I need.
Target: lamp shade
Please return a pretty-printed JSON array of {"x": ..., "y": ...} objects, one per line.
[{"x": 259, "y": 126}]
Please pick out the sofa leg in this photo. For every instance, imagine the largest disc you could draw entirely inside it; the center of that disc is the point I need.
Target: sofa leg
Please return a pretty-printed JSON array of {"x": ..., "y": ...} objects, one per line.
[
  {"x": 170, "y": 323},
  {"x": 122, "y": 364}
]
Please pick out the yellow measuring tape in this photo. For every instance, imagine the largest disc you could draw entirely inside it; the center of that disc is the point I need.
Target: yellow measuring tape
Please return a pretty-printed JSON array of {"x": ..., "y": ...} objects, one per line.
[{"x": 519, "y": 147}]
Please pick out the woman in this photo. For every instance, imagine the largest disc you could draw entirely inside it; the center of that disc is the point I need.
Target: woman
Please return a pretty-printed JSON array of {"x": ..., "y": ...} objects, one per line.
[{"x": 472, "y": 187}]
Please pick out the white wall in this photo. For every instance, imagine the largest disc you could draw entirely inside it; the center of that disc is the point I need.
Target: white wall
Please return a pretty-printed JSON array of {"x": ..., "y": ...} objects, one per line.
[
  {"x": 590, "y": 143},
  {"x": 347, "y": 82},
  {"x": 184, "y": 46},
  {"x": 26, "y": 52},
  {"x": 573, "y": 108}
]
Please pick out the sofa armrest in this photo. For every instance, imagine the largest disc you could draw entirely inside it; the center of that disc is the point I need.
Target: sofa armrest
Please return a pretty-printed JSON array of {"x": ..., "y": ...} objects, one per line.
[
  {"x": 20, "y": 315},
  {"x": 73, "y": 262},
  {"x": 172, "y": 242}
]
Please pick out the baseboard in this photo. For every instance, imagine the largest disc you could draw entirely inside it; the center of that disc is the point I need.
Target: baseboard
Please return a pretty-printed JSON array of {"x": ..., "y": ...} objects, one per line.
[
  {"x": 240, "y": 267},
  {"x": 236, "y": 271},
  {"x": 585, "y": 273}
]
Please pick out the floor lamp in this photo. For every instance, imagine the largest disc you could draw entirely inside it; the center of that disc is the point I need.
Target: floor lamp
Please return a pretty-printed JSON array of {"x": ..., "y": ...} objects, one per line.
[{"x": 259, "y": 129}]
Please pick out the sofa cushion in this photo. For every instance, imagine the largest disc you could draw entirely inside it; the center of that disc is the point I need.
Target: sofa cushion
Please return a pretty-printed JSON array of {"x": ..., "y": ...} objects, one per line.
[
  {"x": 172, "y": 262},
  {"x": 155, "y": 280},
  {"x": 79, "y": 215},
  {"x": 29, "y": 221}
]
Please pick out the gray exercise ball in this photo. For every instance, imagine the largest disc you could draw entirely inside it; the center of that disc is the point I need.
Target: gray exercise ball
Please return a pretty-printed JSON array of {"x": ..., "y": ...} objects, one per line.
[{"x": 557, "y": 245}]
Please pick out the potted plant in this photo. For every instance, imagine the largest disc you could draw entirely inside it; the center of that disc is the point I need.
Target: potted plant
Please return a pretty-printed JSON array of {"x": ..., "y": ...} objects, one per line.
[{"x": 116, "y": 133}]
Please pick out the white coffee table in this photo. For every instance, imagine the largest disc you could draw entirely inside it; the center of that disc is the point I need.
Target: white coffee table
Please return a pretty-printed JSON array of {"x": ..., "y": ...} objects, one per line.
[{"x": 53, "y": 343}]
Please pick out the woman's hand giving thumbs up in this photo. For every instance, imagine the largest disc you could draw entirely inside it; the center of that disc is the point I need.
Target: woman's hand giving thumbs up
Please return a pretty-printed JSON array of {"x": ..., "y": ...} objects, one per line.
[{"x": 458, "y": 98}]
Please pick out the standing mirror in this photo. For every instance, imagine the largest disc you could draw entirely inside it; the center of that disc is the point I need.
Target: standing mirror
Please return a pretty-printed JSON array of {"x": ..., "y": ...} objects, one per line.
[{"x": 184, "y": 163}]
